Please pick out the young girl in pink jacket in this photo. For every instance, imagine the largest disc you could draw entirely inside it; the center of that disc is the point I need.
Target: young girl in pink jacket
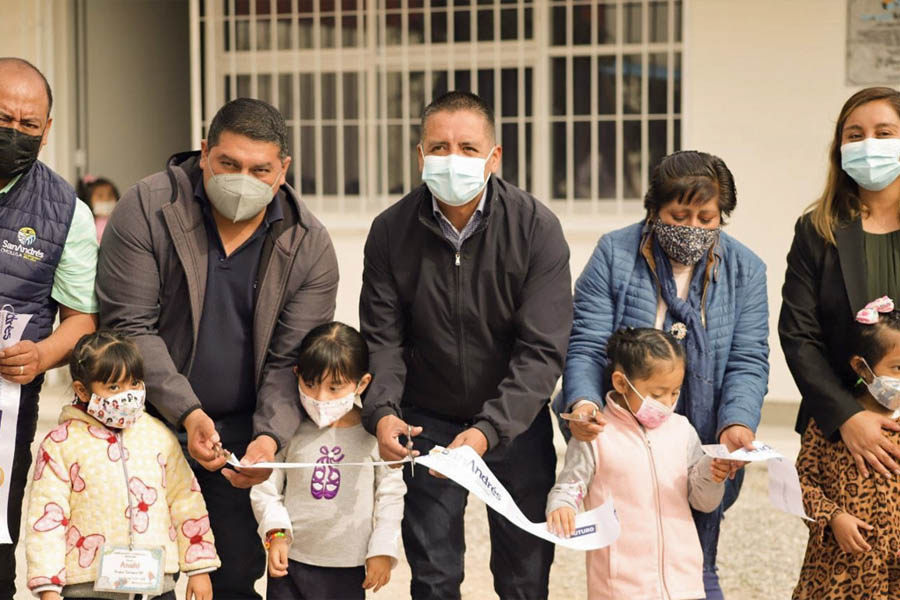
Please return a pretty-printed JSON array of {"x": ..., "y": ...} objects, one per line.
[{"x": 649, "y": 460}]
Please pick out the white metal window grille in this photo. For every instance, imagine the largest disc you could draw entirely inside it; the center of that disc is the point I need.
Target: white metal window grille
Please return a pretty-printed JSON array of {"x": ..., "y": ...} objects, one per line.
[{"x": 586, "y": 93}]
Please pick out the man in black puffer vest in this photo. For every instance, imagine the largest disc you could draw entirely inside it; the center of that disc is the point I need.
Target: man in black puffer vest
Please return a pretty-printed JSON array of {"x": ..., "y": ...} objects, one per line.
[{"x": 48, "y": 260}]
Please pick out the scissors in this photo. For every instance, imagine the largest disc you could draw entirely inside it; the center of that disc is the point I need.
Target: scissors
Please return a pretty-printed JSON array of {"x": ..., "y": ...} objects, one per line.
[
  {"x": 582, "y": 418},
  {"x": 409, "y": 451}
]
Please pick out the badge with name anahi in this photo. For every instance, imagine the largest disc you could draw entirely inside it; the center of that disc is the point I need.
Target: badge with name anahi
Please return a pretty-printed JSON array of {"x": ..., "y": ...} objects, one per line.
[{"x": 138, "y": 570}]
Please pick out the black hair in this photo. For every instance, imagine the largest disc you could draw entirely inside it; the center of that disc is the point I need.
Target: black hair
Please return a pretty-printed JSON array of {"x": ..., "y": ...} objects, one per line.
[
  {"x": 454, "y": 101},
  {"x": 252, "y": 118},
  {"x": 635, "y": 350},
  {"x": 690, "y": 177},
  {"x": 105, "y": 356},
  {"x": 86, "y": 186},
  {"x": 24, "y": 63},
  {"x": 333, "y": 349},
  {"x": 868, "y": 341}
]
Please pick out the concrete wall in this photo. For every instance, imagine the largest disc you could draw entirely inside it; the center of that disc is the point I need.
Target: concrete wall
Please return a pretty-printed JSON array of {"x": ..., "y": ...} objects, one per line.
[
  {"x": 42, "y": 32},
  {"x": 764, "y": 82},
  {"x": 137, "y": 80},
  {"x": 138, "y": 86}
]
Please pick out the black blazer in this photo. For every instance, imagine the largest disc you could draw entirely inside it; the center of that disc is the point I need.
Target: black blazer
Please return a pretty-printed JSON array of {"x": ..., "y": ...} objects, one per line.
[{"x": 823, "y": 289}]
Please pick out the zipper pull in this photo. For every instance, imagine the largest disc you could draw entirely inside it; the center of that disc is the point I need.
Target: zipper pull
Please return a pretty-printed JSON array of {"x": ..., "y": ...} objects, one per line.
[{"x": 457, "y": 259}]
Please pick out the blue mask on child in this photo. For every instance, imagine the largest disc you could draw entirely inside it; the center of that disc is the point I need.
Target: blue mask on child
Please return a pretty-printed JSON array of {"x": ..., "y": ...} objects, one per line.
[{"x": 873, "y": 163}]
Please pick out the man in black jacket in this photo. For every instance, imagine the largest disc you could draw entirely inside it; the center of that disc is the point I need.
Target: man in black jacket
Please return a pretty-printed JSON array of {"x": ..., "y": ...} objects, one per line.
[{"x": 467, "y": 305}]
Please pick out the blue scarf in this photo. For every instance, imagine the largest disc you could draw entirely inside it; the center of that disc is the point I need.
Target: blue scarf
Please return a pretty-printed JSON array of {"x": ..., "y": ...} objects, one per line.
[{"x": 697, "y": 399}]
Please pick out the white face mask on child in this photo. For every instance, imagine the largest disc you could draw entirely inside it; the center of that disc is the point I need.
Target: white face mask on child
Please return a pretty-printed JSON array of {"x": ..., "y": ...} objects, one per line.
[
  {"x": 885, "y": 390},
  {"x": 119, "y": 410},
  {"x": 324, "y": 413},
  {"x": 652, "y": 412}
]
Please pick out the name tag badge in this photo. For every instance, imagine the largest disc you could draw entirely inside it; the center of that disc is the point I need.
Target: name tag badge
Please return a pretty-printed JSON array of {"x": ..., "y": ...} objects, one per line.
[{"x": 131, "y": 570}]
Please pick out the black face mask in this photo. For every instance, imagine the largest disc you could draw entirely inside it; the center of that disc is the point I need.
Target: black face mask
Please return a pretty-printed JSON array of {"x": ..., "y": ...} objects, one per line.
[{"x": 18, "y": 151}]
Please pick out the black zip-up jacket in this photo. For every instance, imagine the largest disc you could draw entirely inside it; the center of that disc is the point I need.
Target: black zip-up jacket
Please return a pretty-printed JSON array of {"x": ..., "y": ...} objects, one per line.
[{"x": 477, "y": 337}]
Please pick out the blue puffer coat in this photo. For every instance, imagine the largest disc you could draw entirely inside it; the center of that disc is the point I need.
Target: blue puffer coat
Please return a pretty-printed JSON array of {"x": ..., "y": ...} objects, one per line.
[{"x": 618, "y": 289}]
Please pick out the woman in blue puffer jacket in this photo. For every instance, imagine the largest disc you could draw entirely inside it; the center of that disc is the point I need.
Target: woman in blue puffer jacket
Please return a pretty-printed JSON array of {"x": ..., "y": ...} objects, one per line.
[{"x": 679, "y": 272}]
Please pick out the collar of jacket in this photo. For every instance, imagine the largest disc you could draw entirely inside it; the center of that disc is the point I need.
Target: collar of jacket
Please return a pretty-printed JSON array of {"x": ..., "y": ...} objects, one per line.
[
  {"x": 184, "y": 220},
  {"x": 619, "y": 412},
  {"x": 850, "y": 244},
  {"x": 712, "y": 265},
  {"x": 426, "y": 215}
]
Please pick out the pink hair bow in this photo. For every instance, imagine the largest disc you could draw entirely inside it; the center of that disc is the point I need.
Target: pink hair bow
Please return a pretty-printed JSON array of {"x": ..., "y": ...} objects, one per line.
[{"x": 869, "y": 314}]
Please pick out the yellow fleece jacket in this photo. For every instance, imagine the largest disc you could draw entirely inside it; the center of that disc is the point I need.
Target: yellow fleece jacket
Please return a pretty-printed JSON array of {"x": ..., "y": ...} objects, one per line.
[{"x": 79, "y": 501}]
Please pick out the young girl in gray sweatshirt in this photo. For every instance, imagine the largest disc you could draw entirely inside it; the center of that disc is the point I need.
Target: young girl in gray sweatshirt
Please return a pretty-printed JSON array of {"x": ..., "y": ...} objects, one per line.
[{"x": 330, "y": 531}]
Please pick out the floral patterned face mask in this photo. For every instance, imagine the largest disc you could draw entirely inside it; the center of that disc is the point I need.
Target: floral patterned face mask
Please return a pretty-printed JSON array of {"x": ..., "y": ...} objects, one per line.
[
  {"x": 682, "y": 243},
  {"x": 119, "y": 411}
]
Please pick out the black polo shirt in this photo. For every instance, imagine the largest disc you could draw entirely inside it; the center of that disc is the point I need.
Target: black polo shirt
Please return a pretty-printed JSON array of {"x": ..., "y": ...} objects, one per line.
[{"x": 222, "y": 372}]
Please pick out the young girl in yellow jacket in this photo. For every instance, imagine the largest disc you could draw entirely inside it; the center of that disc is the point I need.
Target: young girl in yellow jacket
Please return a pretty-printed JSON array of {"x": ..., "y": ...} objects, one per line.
[{"x": 111, "y": 477}]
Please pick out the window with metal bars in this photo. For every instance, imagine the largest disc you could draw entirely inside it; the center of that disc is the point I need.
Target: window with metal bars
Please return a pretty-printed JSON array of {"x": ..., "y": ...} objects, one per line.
[{"x": 587, "y": 93}]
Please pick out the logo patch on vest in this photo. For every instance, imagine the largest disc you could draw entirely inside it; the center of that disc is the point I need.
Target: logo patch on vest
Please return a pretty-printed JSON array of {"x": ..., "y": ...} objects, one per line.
[{"x": 26, "y": 237}]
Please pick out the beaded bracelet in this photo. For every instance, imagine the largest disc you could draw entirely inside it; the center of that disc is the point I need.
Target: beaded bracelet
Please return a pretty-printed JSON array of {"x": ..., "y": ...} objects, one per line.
[{"x": 272, "y": 536}]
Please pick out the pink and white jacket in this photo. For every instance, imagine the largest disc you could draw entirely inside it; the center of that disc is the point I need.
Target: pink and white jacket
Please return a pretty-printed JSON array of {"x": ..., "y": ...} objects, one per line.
[
  {"x": 654, "y": 476},
  {"x": 79, "y": 501}
]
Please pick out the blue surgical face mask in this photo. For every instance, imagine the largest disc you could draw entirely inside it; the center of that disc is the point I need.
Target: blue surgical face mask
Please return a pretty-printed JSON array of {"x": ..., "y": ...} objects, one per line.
[
  {"x": 454, "y": 179},
  {"x": 873, "y": 163}
]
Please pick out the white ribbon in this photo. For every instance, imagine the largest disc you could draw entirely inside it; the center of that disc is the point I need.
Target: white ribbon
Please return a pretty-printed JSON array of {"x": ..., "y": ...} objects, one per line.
[
  {"x": 11, "y": 327},
  {"x": 234, "y": 462},
  {"x": 785, "y": 492},
  {"x": 596, "y": 528}
]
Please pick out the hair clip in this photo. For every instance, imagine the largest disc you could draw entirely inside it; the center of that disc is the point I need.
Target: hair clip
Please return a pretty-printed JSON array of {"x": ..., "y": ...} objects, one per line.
[
  {"x": 869, "y": 314},
  {"x": 678, "y": 331}
]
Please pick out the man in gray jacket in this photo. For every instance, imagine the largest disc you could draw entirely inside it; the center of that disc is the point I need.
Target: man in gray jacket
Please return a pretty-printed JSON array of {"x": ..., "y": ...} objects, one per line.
[
  {"x": 467, "y": 305},
  {"x": 217, "y": 270}
]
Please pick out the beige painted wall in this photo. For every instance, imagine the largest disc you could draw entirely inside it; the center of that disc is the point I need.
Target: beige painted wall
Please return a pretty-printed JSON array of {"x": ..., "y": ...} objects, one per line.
[
  {"x": 138, "y": 86},
  {"x": 40, "y": 32},
  {"x": 764, "y": 84}
]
